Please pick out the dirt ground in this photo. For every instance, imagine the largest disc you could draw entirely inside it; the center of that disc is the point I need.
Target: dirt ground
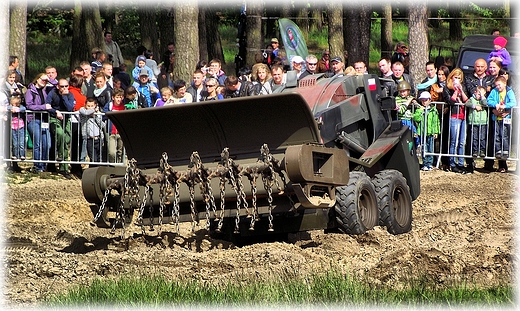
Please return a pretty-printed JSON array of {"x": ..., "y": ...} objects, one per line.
[{"x": 462, "y": 230}]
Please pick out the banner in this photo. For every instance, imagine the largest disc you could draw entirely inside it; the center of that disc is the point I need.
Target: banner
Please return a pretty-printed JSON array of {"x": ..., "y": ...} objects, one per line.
[{"x": 293, "y": 40}]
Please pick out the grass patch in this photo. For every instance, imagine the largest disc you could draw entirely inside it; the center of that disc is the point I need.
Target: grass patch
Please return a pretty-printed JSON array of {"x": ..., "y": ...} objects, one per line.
[{"x": 327, "y": 290}]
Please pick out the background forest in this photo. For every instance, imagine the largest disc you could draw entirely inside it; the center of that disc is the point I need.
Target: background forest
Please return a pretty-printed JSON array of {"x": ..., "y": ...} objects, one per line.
[{"x": 62, "y": 33}]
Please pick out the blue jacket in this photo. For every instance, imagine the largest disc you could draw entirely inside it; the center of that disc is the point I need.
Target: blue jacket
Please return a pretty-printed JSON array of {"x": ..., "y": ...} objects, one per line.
[{"x": 494, "y": 99}]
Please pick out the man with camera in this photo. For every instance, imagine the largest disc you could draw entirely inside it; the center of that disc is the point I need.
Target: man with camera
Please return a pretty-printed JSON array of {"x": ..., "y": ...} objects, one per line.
[{"x": 113, "y": 52}]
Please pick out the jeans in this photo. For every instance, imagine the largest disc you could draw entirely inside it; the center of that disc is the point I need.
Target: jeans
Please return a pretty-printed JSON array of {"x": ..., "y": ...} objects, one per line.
[
  {"x": 502, "y": 130},
  {"x": 428, "y": 147},
  {"x": 41, "y": 138},
  {"x": 478, "y": 135},
  {"x": 18, "y": 142},
  {"x": 457, "y": 141}
]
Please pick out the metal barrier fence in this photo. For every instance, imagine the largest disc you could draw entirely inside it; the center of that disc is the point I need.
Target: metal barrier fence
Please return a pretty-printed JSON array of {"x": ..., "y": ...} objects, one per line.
[{"x": 40, "y": 138}]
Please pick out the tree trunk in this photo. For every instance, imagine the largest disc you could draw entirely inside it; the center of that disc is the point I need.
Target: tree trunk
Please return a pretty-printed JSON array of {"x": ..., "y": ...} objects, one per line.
[
  {"x": 302, "y": 20},
  {"x": 203, "y": 33},
  {"x": 187, "y": 40},
  {"x": 418, "y": 39},
  {"x": 214, "y": 44},
  {"x": 4, "y": 33},
  {"x": 335, "y": 33},
  {"x": 455, "y": 22},
  {"x": 80, "y": 50},
  {"x": 165, "y": 23},
  {"x": 18, "y": 33},
  {"x": 356, "y": 32},
  {"x": 87, "y": 32},
  {"x": 147, "y": 21},
  {"x": 255, "y": 40},
  {"x": 316, "y": 22},
  {"x": 108, "y": 13},
  {"x": 387, "y": 45}
]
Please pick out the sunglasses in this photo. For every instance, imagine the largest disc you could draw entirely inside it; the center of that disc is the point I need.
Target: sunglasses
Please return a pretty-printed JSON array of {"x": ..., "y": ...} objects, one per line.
[
  {"x": 312, "y": 64},
  {"x": 64, "y": 86},
  {"x": 210, "y": 85}
]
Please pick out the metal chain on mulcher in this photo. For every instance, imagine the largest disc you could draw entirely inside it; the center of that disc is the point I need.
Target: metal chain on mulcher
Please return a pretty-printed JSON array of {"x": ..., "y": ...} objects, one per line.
[
  {"x": 139, "y": 220},
  {"x": 101, "y": 207},
  {"x": 252, "y": 180},
  {"x": 268, "y": 179}
]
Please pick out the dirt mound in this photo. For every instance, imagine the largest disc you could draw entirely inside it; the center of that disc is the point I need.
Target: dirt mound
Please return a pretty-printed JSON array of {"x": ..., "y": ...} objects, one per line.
[{"x": 462, "y": 230}]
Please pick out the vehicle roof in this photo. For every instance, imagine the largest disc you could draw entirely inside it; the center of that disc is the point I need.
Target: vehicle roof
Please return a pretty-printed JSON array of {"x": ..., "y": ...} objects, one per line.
[{"x": 485, "y": 42}]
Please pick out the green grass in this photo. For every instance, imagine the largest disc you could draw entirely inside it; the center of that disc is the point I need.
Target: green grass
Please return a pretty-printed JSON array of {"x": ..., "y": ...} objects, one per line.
[{"x": 329, "y": 290}]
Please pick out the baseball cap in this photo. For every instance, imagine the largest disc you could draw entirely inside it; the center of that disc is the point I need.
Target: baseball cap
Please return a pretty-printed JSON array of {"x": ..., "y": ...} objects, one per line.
[
  {"x": 336, "y": 59},
  {"x": 141, "y": 58},
  {"x": 425, "y": 95},
  {"x": 297, "y": 59},
  {"x": 143, "y": 72}
]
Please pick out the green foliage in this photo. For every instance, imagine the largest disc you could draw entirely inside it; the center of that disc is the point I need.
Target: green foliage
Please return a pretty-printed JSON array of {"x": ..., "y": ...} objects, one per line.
[
  {"x": 127, "y": 31},
  {"x": 328, "y": 289},
  {"x": 45, "y": 53}
]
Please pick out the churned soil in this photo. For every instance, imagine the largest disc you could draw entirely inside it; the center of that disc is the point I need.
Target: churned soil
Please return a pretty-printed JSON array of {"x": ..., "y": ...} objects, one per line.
[{"x": 463, "y": 230}]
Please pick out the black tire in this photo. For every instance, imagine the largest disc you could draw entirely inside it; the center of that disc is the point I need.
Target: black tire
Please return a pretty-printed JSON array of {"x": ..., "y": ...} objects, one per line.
[
  {"x": 356, "y": 209},
  {"x": 395, "y": 201}
]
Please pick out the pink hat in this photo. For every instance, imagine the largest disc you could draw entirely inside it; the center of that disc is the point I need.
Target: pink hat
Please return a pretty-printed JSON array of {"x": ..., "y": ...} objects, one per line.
[{"x": 500, "y": 41}]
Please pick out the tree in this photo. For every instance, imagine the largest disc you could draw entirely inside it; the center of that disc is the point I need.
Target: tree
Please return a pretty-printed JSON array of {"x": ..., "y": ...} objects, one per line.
[
  {"x": 418, "y": 39},
  {"x": 147, "y": 21},
  {"x": 255, "y": 40},
  {"x": 165, "y": 23},
  {"x": 386, "y": 31},
  {"x": 335, "y": 33},
  {"x": 356, "y": 32},
  {"x": 455, "y": 23},
  {"x": 18, "y": 33},
  {"x": 186, "y": 39},
  {"x": 214, "y": 45},
  {"x": 4, "y": 33},
  {"x": 87, "y": 31},
  {"x": 316, "y": 22}
]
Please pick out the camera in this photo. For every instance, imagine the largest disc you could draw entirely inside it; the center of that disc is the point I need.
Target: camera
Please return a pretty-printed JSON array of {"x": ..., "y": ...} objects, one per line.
[{"x": 110, "y": 58}]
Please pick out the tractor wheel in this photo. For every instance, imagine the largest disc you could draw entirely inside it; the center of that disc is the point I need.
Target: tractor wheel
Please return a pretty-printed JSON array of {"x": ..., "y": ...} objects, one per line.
[
  {"x": 395, "y": 201},
  {"x": 356, "y": 209}
]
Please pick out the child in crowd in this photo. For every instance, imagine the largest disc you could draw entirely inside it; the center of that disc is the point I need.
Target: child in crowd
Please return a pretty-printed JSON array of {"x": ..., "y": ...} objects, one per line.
[
  {"x": 141, "y": 65},
  {"x": 17, "y": 127},
  {"x": 92, "y": 127},
  {"x": 477, "y": 120},
  {"x": 406, "y": 106},
  {"x": 115, "y": 143},
  {"x": 180, "y": 95},
  {"x": 502, "y": 98},
  {"x": 500, "y": 52},
  {"x": 134, "y": 99},
  {"x": 166, "y": 97},
  {"x": 429, "y": 127}
]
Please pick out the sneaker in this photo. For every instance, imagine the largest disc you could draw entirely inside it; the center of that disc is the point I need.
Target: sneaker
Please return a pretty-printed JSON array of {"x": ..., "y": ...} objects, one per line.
[
  {"x": 482, "y": 154},
  {"x": 425, "y": 168},
  {"x": 468, "y": 170},
  {"x": 59, "y": 159},
  {"x": 474, "y": 155},
  {"x": 456, "y": 169},
  {"x": 22, "y": 158},
  {"x": 505, "y": 154},
  {"x": 498, "y": 155},
  {"x": 14, "y": 158},
  {"x": 65, "y": 174}
]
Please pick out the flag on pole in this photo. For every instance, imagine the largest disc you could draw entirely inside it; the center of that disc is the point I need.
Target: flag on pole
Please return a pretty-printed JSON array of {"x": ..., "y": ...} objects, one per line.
[{"x": 293, "y": 39}]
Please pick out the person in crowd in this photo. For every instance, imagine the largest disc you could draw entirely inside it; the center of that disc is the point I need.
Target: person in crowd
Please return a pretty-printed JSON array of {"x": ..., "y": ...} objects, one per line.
[
  {"x": 261, "y": 78},
  {"x": 78, "y": 147},
  {"x": 455, "y": 97},
  {"x": 431, "y": 77},
  {"x": 428, "y": 129},
  {"x": 402, "y": 55},
  {"x": 152, "y": 64},
  {"x": 38, "y": 122},
  {"x": 297, "y": 64},
  {"x": 398, "y": 75},
  {"x": 89, "y": 83},
  {"x": 92, "y": 132},
  {"x": 493, "y": 72},
  {"x": 148, "y": 88},
  {"x": 323, "y": 63},
  {"x": 166, "y": 97},
  {"x": 350, "y": 71},
  {"x": 123, "y": 76},
  {"x": 337, "y": 65},
  {"x": 385, "y": 67},
  {"x": 312, "y": 65},
  {"x": 212, "y": 92},
  {"x": 17, "y": 113},
  {"x": 495, "y": 32},
  {"x": 93, "y": 54},
  {"x": 134, "y": 99},
  {"x": 115, "y": 57},
  {"x": 140, "y": 52},
  {"x": 103, "y": 92},
  {"x": 437, "y": 94},
  {"x": 499, "y": 52},
  {"x": 215, "y": 71},
  {"x": 141, "y": 65},
  {"x": 477, "y": 122},
  {"x": 407, "y": 109},
  {"x": 244, "y": 73},
  {"x": 237, "y": 88},
  {"x": 98, "y": 63},
  {"x": 197, "y": 89},
  {"x": 117, "y": 83},
  {"x": 360, "y": 67},
  {"x": 108, "y": 69},
  {"x": 472, "y": 82},
  {"x": 14, "y": 63},
  {"x": 277, "y": 74},
  {"x": 502, "y": 99},
  {"x": 170, "y": 49},
  {"x": 52, "y": 74},
  {"x": 180, "y": 96},
  {"x": 115, "y": 143},
  {"x": 276, "y": 46},
  {"x": 61, "y": 100},
  {"x": 11, "y": 88}
]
